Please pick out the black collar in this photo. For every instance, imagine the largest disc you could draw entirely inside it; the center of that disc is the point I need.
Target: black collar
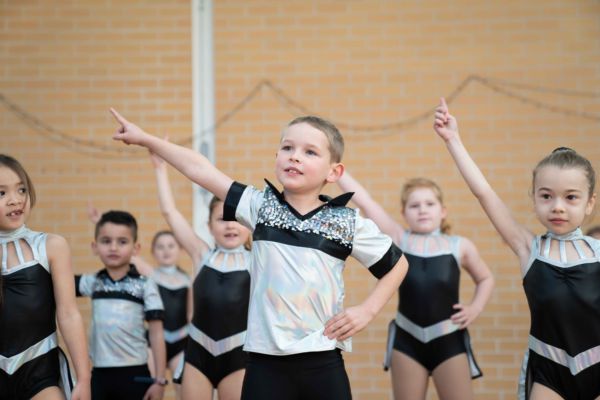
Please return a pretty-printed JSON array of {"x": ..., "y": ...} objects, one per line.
[
  {"x": 133, "y": 272},
  {"x": 338, "y": 201}
]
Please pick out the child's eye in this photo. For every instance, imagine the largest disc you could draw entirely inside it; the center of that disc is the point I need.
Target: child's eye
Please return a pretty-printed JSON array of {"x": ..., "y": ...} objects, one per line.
[
  {"x": 572, "y": 197},
  {"x": 311, "y": 152},
  {"x": 286, "y": 147},
  {"x": 23, "y": 190},
  {"x": 2, "y": 192},
  {"x": 545, "y": 196},
  {"x": 123, "y": 242}
]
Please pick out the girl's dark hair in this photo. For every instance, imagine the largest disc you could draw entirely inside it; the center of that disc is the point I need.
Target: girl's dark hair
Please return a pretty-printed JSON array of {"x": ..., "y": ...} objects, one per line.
[
  {"x": 565, "y": 157},
  {"x": 15, "y": 166}
]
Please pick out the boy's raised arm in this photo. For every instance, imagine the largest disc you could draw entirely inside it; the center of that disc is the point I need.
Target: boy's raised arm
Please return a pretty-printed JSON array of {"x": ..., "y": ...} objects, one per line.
[{"x": 193, "y": 165}]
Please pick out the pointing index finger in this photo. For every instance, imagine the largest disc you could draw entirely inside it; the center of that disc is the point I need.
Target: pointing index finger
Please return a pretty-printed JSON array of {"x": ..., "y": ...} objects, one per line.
[
  {"x": 443, "y": 104},
  {"x": 120, "y": 119}
]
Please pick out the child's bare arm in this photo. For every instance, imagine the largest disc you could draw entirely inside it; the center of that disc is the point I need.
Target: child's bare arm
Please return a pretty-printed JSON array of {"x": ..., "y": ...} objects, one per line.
[
  {"x": 518, "y": 237},
  {"x": 472, "y": 262},
  {"x": 370, "y": 207},
  {"x": 159, "y": 354},
  {"x": 354, "y": 319},
  {"x": 183, "y": 231},
  {"x": 193, "y": 165},
  {"x": 68, "y": 317}
]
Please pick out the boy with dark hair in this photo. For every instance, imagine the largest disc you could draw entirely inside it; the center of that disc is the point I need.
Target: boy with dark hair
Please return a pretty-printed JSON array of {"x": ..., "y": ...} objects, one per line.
[{"x": 121, "y": 300}]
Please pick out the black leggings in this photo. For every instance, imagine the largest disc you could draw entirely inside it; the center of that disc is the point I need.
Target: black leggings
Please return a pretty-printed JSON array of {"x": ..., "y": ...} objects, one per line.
[
  {"x": 305, "y": 376},
  {"x": 120, "y": 383}
]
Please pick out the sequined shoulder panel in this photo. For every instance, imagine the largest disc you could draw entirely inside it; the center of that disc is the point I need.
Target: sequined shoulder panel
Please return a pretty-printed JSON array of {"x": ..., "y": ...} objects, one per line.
[{"x": 335, "y": 223}]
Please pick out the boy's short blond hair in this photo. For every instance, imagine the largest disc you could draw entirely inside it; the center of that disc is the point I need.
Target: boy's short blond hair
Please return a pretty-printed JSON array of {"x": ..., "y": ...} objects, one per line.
[{"x": 331, "y": 132}]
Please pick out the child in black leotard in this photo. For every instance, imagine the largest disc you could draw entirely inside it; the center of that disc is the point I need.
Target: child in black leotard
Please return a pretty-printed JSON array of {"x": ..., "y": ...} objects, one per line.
[
  {"x": 561, "y": 268},
  {"x": 429, "y": 335},
  {"x": 37, "y": 290},
  {"x": 214, "y": 358}
]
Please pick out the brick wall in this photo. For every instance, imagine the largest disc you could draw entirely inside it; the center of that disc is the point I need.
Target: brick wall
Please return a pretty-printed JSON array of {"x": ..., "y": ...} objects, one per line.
[{"x": 359, "y": 63}]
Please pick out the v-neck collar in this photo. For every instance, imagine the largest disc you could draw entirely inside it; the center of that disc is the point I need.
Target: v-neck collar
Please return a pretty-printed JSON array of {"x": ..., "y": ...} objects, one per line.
[{"x": 338, "y": 201}]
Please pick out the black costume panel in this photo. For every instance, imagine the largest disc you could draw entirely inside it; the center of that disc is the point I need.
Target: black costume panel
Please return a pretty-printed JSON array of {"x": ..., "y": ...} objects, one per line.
[{"x": 564, "y": 304}]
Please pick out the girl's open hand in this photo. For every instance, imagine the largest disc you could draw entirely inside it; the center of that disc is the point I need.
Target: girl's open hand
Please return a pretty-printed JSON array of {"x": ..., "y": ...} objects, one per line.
[
  {"x": 128, "y": 132},
  {"x": 464, "y": 316},
  {"x": 445, "y": 124}
]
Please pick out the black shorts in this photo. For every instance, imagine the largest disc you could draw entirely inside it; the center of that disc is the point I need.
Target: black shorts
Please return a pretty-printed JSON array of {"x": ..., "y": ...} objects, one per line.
[
  {"x": 431, "y": 354},
  {"x": 214, "y": 368},
  {"x": 34, "y": 376},
  {"x": 305, "y": 376},
  {"x": 120, "y": 383},
  {"x": 175, "y": 348},
  {"x": 583, "y": 386}
]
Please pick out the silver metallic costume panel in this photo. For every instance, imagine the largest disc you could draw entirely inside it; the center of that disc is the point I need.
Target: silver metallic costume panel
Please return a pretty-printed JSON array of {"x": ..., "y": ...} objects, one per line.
[
  {"x": 428, "y": 333},
  {"x": 118, "y": 333},
  {"x": 295, "y": 290},
  {"x": 217, "y": 347}
]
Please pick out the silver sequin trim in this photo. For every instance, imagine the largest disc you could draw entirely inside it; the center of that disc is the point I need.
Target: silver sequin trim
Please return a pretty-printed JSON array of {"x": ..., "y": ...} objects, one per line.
[{"x": 333, "y": 223}]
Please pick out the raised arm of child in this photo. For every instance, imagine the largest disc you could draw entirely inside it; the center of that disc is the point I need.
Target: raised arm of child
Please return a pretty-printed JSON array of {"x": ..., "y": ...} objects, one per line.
[
  {"x": 193, "y": 165},
  {"x": 183, "y": 231},
  {"x": 371, "y": 209},
  {"x": 354, "y": 319},
  {"x": 68, "y": 317},
  {"x": 472, "y": 262},
  {"x": 159, "y": 355},
  {"x": 516, "y": 236}
]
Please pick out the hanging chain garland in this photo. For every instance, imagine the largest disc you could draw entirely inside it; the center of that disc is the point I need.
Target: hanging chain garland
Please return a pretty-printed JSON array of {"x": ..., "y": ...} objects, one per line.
[{"x": 502, "y": 87}]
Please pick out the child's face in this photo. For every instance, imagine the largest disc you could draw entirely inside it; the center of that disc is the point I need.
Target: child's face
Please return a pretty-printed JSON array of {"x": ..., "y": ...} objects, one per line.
[
  {"x": 227, "y": 234},
  {"x": 423, "y": 211},
  {"x": 166, "y": 250},
  {"x": 115, "y": 245},
  {"x": 303, "y": 160},
  {"x": 14, "y": 200},
  {"x": 561, "y": 198}
]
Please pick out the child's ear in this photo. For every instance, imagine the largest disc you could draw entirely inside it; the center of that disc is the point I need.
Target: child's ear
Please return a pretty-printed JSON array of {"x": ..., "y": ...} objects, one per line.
[
  {"x": 335, "y": 173},
  {"x": 136, "y": 248},
  {"x": 590, "y": 204},
  {"x": 94, "y": 248},
  {"x": 444, "y": 212}
]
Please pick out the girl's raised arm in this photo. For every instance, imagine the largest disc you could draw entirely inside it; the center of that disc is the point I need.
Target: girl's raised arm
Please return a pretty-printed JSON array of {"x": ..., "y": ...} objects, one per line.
[
  {"x": 371, "y": 208},
  {"x": 69, "y": 319},
  {"x": 183, "y": 231},
  {"x": 515, "y": 235}
]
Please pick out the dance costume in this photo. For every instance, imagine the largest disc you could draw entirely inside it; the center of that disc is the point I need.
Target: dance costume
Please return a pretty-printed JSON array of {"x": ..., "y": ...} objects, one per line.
[
  {"x": 173, "y": 286},
  {"x": 218, "y": 329},
  {"x": 564, "y": 303},
  {"x": 118, "y": 336},
  {"x": 297, "y": 283},
  {"x": 30, "y": 360},
  {"x": 422, "y": 329}
]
